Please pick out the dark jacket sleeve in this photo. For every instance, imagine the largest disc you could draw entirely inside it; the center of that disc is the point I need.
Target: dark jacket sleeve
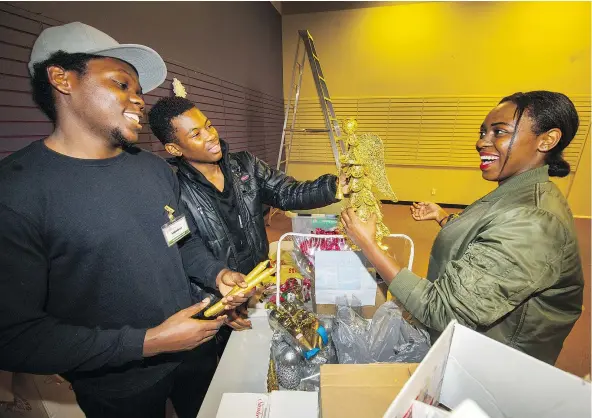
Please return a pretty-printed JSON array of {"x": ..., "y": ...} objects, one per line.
[
  {"x": 282, "y": 191},
  {"x": 31, "y": 340},
  {"x": 201, "y": 266}
]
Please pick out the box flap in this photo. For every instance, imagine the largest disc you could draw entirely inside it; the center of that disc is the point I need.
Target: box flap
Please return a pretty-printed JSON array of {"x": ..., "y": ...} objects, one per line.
[
  {"x": 507, "y": 383},
  {"x": 244, "y": 405},
  {"x": 468, "y": 409},
  {"x": 422, "y": 410},
  {"x": 293, "y": 404},
  {"x": 361, "y": 390},
  {"x": 426, "y": 382}
]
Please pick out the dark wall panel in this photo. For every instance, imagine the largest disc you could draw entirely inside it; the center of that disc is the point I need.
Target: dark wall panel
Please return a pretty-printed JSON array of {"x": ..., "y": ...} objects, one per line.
[{"x": 248, "y": 113}]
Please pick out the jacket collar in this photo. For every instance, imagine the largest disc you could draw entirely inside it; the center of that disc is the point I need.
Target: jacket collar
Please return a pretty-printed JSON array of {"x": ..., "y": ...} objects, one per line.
[{"x": 528, "y": 178}]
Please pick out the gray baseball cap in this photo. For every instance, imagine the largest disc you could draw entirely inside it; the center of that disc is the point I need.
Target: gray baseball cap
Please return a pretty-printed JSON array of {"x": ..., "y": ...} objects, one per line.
[{"x": 77, "y": 37}]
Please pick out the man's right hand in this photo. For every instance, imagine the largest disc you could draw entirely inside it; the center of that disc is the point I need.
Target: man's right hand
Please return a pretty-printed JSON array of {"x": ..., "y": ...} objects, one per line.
[{"x": 181, "y": 332}]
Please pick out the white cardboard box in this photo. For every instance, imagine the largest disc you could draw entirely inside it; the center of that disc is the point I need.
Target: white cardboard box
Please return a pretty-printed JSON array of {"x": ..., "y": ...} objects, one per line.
[
  {"x": 277, "y": 404},
  {"x": 244, "y": 405},
  {"x": 502, "y": 381},
  {"x": 423, "y": 410},
  {"x": 467, "y": 409}
]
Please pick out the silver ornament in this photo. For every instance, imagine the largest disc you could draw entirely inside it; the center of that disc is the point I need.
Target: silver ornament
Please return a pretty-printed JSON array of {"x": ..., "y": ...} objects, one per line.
[
  {"x": 279, "y": 347},
  {"x": 276, "y": 348},
  {"x": 327, "y": 355},
  {"x": 318, "y": 360},
  {"x": 288, "y": 376},
  {"x": 288, "y": 356},
  {"x": 276, "y": 337}
]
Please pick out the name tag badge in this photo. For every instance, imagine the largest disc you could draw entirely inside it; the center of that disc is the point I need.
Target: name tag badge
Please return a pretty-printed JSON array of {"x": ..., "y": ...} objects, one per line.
[{"x": 174, "y": 230}]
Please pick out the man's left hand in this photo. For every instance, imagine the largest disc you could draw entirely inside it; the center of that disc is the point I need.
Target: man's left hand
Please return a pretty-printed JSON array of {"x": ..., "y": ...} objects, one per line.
[{"x": 238, "y": 320}]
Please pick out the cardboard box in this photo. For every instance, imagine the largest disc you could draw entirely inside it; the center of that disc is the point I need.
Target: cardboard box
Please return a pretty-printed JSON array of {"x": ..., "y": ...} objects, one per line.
[
  {"x": 293, "y": 404},
  {"x": 467, "y": 409},
  {"x": 364, "y": 311},
  {"x": 247, "y": 405},
  {"x": 357, "y": 277},
  {"x": 502, "y": 381},
  {"x": 361, "y": 390},
  {"x": 382, "y": 294},
  {"x": 284, "y": 404},
  {"x": 423, "y": 410},
  {"x": 326, "y": 218}
]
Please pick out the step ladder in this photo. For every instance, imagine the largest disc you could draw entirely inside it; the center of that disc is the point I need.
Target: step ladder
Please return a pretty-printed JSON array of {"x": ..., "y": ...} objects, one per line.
[{"x": 306, "y": 49}]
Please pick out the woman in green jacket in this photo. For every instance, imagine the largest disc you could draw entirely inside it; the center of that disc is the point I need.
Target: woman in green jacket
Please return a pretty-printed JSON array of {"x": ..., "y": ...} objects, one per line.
[{"x": 509, "y": 265}]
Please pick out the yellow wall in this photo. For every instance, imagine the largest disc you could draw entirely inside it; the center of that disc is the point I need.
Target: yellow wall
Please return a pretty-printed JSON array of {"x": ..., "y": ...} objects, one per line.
[
  {"x": 442, "y": 48},
  {"x": 452, "y": 48},
  {"x": 454, "y": 186}
]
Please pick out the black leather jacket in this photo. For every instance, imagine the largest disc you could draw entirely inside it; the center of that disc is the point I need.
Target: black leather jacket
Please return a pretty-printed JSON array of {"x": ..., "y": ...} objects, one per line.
[{"x": 255, "y": 183}]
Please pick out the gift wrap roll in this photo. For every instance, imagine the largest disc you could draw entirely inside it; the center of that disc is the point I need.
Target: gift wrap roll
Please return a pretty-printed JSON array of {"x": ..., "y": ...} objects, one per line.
[
  {"x": 252, "y": 282},
  {"x": 259, "y": 268}
]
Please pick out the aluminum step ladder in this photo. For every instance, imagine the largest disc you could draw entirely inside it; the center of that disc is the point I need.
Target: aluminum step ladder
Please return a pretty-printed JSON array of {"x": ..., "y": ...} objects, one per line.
[{"x": 305, "y": 49}]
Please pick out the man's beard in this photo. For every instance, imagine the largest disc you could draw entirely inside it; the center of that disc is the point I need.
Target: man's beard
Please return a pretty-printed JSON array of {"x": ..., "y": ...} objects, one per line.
[{"x": 117, "y": 138}]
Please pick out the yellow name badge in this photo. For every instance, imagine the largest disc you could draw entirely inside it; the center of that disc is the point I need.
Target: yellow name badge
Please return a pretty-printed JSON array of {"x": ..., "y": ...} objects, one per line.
[{"x": 175, "y": 229}]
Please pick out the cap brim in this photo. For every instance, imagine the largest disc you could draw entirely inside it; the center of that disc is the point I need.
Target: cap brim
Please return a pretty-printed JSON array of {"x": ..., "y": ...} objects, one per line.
[{"x": 151, "y": 68}]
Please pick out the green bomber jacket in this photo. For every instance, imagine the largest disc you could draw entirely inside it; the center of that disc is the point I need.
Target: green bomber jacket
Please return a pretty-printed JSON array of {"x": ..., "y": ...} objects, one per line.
[{"x": 508, "y": 267}]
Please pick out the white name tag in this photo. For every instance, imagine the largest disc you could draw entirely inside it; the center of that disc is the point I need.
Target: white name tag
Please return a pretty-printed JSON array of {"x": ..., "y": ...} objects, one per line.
[{"x": 175, "y": 230}]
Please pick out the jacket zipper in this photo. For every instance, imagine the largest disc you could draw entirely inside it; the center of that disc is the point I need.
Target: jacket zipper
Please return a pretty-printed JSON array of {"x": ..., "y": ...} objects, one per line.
[
  {"x": 226, "y": 232},
  {"x": 241, "y": 203}
]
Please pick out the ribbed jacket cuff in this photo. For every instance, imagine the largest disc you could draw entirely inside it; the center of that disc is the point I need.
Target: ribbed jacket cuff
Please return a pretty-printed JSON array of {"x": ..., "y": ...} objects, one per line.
[{"x": 403, "y": 284}]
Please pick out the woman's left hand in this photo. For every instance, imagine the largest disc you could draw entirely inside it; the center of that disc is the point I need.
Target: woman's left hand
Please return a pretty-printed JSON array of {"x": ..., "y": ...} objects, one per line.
[{"x": 360, "y": 232}]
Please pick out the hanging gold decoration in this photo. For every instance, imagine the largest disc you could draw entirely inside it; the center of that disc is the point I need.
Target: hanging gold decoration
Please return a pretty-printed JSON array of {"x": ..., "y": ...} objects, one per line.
[
  {"x": 272, "y": 382},
  {"x": 178, "y": 89},
  {"x": 364, "y": 167}
]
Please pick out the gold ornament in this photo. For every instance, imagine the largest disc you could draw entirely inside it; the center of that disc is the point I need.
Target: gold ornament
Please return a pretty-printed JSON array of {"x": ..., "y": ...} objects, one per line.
[
  {"x": 364, "y": 168},
  {"x": 298, "y": 322},
  {"x": 178, "y": 89},
  {"x": 272, "y": 383},
  {"x": 350, "y": 126}
]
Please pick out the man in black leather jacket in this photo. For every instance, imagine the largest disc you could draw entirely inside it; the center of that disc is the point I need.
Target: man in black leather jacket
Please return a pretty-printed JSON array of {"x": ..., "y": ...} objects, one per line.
[{"x": 225, "y": 191}]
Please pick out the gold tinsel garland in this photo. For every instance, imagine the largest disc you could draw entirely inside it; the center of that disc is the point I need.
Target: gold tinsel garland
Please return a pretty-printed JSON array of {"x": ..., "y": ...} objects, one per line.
[
  {"x": 272, "y": 382},
  {"x": 364, "y": 168}
]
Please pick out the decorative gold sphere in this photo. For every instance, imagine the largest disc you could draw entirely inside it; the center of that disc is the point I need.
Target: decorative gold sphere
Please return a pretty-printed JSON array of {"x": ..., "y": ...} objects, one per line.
[{"x": 350, "y": 125}]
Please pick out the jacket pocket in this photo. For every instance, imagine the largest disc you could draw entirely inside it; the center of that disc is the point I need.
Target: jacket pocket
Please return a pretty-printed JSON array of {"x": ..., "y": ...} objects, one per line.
[{"x": 220, "y": 248}]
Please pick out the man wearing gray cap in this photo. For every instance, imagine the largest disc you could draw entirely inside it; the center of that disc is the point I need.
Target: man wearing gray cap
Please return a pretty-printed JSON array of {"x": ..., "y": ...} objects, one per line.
[{"x": 92, "y": 282}]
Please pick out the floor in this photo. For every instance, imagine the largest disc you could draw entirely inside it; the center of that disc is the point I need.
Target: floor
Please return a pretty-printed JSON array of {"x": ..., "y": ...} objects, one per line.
[{"x": 575, "y": 357}]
